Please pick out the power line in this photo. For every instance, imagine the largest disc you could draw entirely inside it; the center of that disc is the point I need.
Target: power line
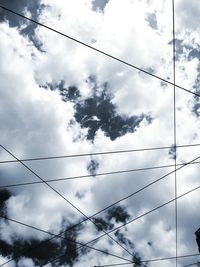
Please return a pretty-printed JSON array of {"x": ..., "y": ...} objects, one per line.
[
  {"x": 122, "y": 199},
  {"x": 194, "y": 263},
  {"x": 97, "y": 50},
  {"x": 126, "y": 64},
  {"x": 84, "y": 245},
  {"x": 152, "y": 260},
  {"x": 174, "y": 125},
  {"x": 54, "y": 236},
  {"x": 64, "y": 198},
  {"x": 99, "y": 153},
  {"x": 96, "y": 175},
  {"x": 135, "y": 219}
]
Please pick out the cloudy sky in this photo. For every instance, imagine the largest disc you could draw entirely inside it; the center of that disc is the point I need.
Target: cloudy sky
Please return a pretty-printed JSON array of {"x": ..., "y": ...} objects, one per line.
[{"x": 58, "y": 97}]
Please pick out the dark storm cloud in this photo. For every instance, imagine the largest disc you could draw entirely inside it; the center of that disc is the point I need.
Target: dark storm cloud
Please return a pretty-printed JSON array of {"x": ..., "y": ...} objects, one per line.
[
  {"x": 70, "y": 93},
  {"x": 102, "y": 224},
  {"x": 46, "y": 251},
  {"x": 40, "y": 252},
  {"x": 128, "y": 243},
  {"x": 124, "y": 240},
  {"x": 97, "y": 112},
  {"x": 137, "y": 259},
  {"x": 38, "y": 255},
  {"x": 130, "y": 246},
  {"x": 118, "y": 213},
  {"x": 43, "y": 252}
]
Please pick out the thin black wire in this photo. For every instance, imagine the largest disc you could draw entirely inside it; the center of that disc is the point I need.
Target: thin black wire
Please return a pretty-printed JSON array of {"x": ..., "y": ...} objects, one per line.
[
  {"x": 194, "y": 263},
  {"x": 138, "y": 192},
  {"x": 152, "y": 260},
  {"x": 175, "y": 173},
  {"x": 104, "y": 209},
  {"x": 54, "y": 236},
  {"x": 65, "y": 199},
  {"x": 126, "y": 64},
  {"x": 99, "y": 153},
  {"x": 83, "y": 245},
  {"x": 97, "y": 50},
  {"x": 136, "y": 218},
  {"x": 97, "y": 174},
  {"x": 129, "y": 64}
]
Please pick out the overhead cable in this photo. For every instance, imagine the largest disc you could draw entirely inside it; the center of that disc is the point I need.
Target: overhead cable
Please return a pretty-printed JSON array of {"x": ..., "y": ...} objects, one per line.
[
  {"x": 99, "y": 153},
  {"x": 97, "y": 50}
]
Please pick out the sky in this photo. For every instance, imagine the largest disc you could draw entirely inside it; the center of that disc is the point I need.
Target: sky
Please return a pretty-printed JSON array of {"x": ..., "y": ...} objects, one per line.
[{"x": 58, "y": 97}]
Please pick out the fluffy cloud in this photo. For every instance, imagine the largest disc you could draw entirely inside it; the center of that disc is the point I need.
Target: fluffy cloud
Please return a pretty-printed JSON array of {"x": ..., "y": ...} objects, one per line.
[{"x": 53, "y": 103}]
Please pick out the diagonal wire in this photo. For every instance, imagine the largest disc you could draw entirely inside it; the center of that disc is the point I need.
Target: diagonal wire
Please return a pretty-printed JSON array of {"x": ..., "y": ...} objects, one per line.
[
  {"x": 152, "y": 260},
  {"x": 174, "y": 122},
  {"x": 54, "y": 236},
  {"x": 96, "y": 175},
  {"x": 97, "y": 50},
  {"x": 84, "y": 245},
  {"x": 135, "y": 219},
  {"x": 135, "y": 67},
  {"x": 134, "y": 193},
  {"x": 191, "y": 264},
  {"x": 99, "y": 153},
  {"x": 64, "y": 198}
]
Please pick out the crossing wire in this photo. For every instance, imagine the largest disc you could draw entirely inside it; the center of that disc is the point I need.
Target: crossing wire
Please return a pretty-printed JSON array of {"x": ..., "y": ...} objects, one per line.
[
  {"x": 174, "y": 124},
  {"x": 95, "y": 175},
  {"x": 54, "y": 236},
  {"x": 122, "y": 199},
  {"x": 99, "y": 153},
  {"x": 191, "y": 264},
  {"x": 97, "y": 50},
  {"x": 122, "y": 62},
  {"x": 64, "y": 198},
  {"x": 152, "y": 260},
  {"x": 86, "y": 245},
  {"x": 135, "y": 219}
]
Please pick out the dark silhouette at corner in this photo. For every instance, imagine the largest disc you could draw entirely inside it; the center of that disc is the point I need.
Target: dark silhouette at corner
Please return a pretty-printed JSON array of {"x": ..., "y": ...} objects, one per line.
[{"x": 197, "y": 233}]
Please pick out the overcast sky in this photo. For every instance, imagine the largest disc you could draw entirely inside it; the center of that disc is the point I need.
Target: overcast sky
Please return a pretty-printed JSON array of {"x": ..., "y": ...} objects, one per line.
[{"x": 58, "y": 97}]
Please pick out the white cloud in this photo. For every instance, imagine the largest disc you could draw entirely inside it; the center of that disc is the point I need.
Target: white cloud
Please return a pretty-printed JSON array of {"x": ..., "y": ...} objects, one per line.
[{"x": 35, "y": 121}]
